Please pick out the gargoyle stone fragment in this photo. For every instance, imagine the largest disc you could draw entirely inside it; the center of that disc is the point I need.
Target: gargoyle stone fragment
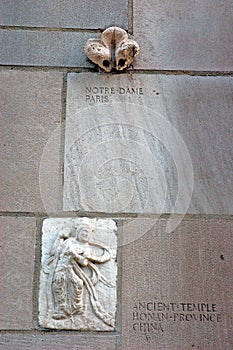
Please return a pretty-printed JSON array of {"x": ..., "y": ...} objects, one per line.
[{"x": 113, "y": 50}]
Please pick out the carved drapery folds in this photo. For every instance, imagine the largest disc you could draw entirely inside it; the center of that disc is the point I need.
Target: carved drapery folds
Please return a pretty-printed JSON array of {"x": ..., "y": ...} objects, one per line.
[
  {"x": 113, "y": 50},
  {"x": 78, "y": 275}
]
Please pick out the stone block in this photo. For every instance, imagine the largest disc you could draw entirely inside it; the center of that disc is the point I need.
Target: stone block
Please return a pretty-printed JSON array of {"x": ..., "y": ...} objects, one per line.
[
  {"x": 64, "y": 14},
  {"x": 177, "y": 288},
  {"x": 44, "y": 48},
  {"x": 31, "y": 117},
  {"x": 17, "y": 269},
  {"x": 138, "y": 143},
  {"x": 57, "y": 341},
  {"x": 192, "y": 35}
]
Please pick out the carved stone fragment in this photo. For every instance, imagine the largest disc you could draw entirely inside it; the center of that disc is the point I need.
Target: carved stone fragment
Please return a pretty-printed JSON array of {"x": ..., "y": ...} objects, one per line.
[
  {"x": 78, "y": 274},
  {"x": 113, "y": 50}
]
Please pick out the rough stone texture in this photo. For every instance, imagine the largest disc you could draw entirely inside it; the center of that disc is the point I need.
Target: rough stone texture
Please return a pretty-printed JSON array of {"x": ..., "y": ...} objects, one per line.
[
  {"x": 113, "y": 50},
  {"x": 40, "y": 48},
  {"x": 192, "y": 35},
  {"x": 17, "y": 269},
  {"x": 31, "y": 115},
  {"x": 136, "y": 150},
  {"x": 64, "y": 13},
  {"x": 55, "y": 341},
  {"x": 78, "y": 274},
  {"x": 191, "y": 265}
]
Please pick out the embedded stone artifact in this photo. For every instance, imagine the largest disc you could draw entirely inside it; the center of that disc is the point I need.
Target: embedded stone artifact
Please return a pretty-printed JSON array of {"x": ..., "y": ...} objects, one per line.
[
  {"x": 78, "y": 274},
  {"x": 113, "y": 50}
]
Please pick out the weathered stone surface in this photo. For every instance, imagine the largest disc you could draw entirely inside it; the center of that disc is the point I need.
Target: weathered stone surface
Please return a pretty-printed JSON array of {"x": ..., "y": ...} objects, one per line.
[
  {"x": 64, "y": 14},
  {"x": 56, "y": 341},
  {"x": 178, "y": 294},
  {"x": 31, "y": 115},
  {"x": 190, "y": 35},
  {"x": 113, "y": 50},
  {"x": 17, "y": 269},
  {"x": 148, "y": 143},
  {"x": 78, "y": 275},
  {"x": 42, "y": 48}
]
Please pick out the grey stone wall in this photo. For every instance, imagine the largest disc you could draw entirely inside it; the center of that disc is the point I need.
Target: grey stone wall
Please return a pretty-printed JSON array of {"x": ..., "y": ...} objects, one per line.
[{"x": 186, "y": 43}]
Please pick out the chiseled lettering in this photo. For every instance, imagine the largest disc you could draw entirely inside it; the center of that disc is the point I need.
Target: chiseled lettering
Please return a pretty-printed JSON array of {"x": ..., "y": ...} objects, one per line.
[
  {"x": 142, "y": 306},
  {"x": 148, "y": 306},
  {"x": 130, "y": 91},
  {"x": 147, "y": 327}
]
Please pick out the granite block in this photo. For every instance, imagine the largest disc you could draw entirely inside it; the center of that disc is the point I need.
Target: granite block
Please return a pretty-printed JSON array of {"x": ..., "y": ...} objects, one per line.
[
  {"x": 17, "y": 269},
  {"x": 64, "y": 13},
  {"x": 178, "y": 294},
  {"x": 193, "y": 35},
  {"x": 144, "y": 143},
  {"x": 30, "y": 124}
]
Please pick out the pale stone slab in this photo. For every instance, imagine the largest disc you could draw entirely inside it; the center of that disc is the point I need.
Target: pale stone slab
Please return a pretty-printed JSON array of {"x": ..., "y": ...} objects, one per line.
[
  {"x": 178, "y": 295},
  {"x": 17, "y": 269},
  {"x": 44, "y": 48},
  {"x": 188, "y": 35},
  {"x": 58, "y": 341},
  {"x": 78, "y": 274},
  {"x": 64, "y": 13},
  {"x": 148, "y": 144},
  {"x": 30, "y": 121}
]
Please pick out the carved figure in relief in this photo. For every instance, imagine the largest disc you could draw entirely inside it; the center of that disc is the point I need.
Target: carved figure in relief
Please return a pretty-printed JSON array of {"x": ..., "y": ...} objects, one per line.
[{"x": 72, "y": 267}]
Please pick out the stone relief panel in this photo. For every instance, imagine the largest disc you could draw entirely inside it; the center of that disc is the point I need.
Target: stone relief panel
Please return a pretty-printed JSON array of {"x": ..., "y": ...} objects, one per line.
[{"x": 78, "y": 274}]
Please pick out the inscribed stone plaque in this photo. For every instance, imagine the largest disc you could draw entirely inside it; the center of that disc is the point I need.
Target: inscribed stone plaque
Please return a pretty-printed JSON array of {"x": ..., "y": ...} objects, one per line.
[
  {"x": 178, "y": 294},
  {"x": 78, "y": 274},
  {"x": 148, "y": 144}
]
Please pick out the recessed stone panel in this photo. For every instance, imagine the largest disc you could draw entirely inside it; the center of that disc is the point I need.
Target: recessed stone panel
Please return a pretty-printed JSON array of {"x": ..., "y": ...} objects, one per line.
[
  {"x": 17, "y": 270},
  {"x": 177, "y": 288},
  {"x": 188, "y": 35},
  {"x": 148, "y": 144}
]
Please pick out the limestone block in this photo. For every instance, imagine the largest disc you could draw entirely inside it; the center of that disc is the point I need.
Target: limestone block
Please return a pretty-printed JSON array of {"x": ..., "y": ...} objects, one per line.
[
  {"x": 30, "y": 119},
  {"x": 44, "y": 48},
  {"x": 57, "y": 341},
  {"x": 17, "y": 269},
  {"x": 141, "y": 143},
  {"x": 178, "y": 294},
  {"x": 188, "y": 35},
  {"x": 78, "y": 274},
  {"x": 64, "y": 14}
]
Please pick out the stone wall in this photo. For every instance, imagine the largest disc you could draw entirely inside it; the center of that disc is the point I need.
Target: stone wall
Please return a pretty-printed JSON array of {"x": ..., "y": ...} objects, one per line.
[{"x": 185, "y": 63}]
